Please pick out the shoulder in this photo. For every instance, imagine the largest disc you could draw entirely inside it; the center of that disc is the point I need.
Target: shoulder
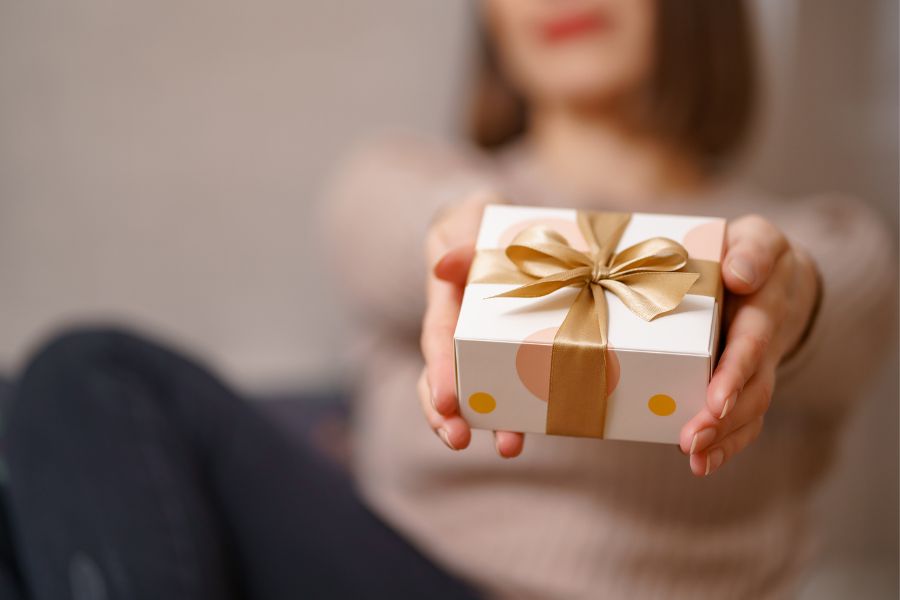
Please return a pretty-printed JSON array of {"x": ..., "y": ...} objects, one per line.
[
  {"x": 824, "y": 218},
  {"x": 850, "y": 242},
  {"x": 839, "y": 224},
  {"x": 834, "y": 214},
  {"x": 406, "y": 154}
]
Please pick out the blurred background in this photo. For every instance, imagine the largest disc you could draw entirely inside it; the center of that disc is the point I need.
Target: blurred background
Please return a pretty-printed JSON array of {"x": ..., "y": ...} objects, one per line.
[{"x": 161, "y": 164}]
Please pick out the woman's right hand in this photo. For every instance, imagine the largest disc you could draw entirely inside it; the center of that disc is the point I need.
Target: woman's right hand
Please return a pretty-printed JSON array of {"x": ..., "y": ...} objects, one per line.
[{"x": 449, "y": 250}]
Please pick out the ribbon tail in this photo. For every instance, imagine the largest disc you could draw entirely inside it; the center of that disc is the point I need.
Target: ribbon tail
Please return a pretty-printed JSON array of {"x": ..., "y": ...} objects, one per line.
[
  {"x": 710, "y": 281},
  {"x": 547, "y": 285},
  {"x": 492, "y": 266},
  {"x": 578, "y": 388}
]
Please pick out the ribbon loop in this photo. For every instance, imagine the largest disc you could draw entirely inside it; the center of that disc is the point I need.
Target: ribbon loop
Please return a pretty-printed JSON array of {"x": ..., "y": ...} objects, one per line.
[
  {"x": 540, "y": 252},
  {"x": 655, "y": 254}
]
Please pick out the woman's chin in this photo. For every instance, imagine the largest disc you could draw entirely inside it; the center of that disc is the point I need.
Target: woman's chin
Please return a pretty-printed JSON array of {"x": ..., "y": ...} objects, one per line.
[
  {"x": 581, "y": 89},
  {"x": 585, "y": 95}
]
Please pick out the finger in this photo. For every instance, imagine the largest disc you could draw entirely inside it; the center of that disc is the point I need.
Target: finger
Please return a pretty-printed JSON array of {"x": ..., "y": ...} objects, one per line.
[
  {"x": 753, "y": 337},
  {"x": 698, "y": 433},
  {"x": 438, "y": 327},
  {"x": 706, "y": 463},
  {"x": 444, "y": 290},
  {"x": 450, "y": 264},
  {"x": 706, "y": 429},
  {"x": 454, "y": 266},
  {"x": 435, "y": 419},
  {"x": 509, "y": 444},
  {"x": 743, "y": 355},
  {"x": 754, "y": 246},
  {"x": 453, "y": 431}
]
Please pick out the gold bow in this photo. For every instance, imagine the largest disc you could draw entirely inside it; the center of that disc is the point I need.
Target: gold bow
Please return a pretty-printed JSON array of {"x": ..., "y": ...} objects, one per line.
[{"x": 647, "y": 277}]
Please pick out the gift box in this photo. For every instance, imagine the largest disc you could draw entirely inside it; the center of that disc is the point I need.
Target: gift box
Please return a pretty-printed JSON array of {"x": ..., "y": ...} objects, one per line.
[{"x": 590, "y": 324}]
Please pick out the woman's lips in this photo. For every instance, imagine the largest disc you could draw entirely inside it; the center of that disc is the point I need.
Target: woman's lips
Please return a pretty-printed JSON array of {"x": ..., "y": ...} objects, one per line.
[{"x": 573, "y": 26}]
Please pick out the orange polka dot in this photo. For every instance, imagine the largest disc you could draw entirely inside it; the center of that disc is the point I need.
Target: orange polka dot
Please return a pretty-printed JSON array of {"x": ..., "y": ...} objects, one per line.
[
  {"x": 482, "y": 402},
  {"x": 662, "y": 405}
]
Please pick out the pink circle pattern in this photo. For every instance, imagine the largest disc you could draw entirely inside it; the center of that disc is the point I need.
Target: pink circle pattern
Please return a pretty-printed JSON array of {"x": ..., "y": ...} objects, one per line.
[
  {"x": 533, "y": 364},
  {"x": 704, "y": 242}
]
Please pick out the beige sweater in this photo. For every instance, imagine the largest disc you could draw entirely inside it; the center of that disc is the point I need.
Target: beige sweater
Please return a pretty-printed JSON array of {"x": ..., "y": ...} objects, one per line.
[{"x": 579, "y": 518}]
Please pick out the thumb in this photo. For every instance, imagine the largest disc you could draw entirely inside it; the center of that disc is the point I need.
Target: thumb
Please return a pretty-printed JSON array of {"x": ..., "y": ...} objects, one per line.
[
  {"x": 754, "y": 246},
  {"x": 454, "y": 266}
]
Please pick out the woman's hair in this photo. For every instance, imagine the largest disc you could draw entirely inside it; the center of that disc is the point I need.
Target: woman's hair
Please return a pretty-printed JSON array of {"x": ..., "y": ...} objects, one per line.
[{"x": 702, "y": 90}]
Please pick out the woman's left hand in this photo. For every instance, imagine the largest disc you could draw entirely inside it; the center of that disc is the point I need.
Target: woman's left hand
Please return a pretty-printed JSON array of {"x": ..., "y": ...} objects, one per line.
[{"x": 771, "y": 293}]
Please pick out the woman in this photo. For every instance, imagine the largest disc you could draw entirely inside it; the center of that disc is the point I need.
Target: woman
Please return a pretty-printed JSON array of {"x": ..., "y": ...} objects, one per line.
[
  {"x": 136, "y": 474},
  {"x": 635, "y": 106}
]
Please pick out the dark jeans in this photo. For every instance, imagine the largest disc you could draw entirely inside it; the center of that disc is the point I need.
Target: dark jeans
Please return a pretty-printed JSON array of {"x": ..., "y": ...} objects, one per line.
[{"x": 136, "y": 474}]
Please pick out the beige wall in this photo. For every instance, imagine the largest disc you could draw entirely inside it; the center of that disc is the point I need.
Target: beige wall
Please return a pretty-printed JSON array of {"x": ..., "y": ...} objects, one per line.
[{"x": 160, "y": 162}]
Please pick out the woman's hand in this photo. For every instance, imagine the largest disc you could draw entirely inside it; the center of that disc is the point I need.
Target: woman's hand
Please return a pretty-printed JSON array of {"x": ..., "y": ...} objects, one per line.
[
  {"x": 450, "y": 248},
  {"x": 772, "y": 293}
]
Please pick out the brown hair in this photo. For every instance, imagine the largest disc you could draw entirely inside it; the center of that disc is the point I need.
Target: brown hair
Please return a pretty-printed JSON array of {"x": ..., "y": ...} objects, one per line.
[{"x": 701, "y": 95}]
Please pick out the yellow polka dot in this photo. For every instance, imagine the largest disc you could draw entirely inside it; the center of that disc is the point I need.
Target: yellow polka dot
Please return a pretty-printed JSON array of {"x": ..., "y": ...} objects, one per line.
[
  {"x": 661, "y": 405},
  {"x": 482, "y": 402}
]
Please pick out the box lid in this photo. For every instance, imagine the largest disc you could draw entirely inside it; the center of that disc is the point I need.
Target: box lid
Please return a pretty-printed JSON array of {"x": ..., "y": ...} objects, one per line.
[{"x": 688, "y": 329}]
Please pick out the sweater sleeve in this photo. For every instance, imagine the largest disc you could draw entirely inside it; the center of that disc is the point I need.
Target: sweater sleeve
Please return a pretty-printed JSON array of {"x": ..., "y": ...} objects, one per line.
[
  {"x": 856, "y": 259},
  {"x": 377, "y": 211}
]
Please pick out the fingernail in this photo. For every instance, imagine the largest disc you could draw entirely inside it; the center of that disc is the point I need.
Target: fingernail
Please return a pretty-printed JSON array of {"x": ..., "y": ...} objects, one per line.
[
  {"x": 729, "y": 404},
  {"x": 442, "y": 433},
  {"x": 497, "y": 448},
  {"x": 702, "y": 439},
  {"x": 743, "y": 270},
  {"x": 714, "y": 460}
]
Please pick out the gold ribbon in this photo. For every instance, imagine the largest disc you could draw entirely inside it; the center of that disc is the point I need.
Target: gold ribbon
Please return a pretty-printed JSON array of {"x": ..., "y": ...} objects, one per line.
[{"x": 648, "y": 277}]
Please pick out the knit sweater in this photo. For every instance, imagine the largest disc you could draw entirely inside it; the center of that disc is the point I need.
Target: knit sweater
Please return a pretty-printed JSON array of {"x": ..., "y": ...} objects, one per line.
[{"x": 579, "y": 518}]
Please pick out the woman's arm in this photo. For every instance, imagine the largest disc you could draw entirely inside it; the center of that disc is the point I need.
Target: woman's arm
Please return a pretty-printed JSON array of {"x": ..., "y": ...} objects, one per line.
[
  {"x": 377, "y": 213},
  {"x": 390, "y": 201},
  {"x": 857, "y": 316}
]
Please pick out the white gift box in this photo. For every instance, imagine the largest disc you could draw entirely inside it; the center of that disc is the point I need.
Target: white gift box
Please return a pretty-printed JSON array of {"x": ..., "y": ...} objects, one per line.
[{"x": 657, "y": 370}]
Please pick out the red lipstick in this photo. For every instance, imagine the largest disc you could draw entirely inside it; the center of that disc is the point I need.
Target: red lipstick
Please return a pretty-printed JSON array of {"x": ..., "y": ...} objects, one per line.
[{"x": 572, "y": 26}]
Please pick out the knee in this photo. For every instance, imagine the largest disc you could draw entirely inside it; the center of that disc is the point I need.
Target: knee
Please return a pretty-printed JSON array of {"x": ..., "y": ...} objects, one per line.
[
  {"x": 66, "y": 376},
  {"x": 77, "y": 351}
]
